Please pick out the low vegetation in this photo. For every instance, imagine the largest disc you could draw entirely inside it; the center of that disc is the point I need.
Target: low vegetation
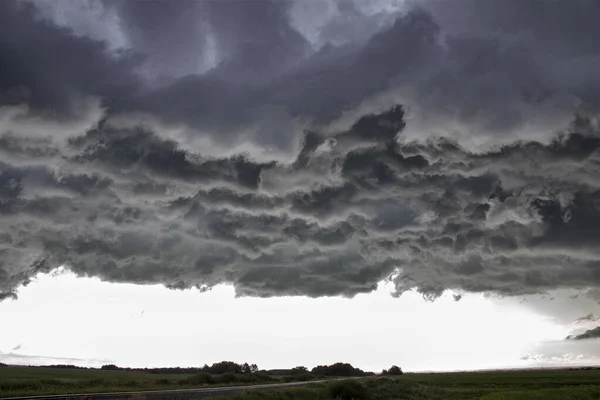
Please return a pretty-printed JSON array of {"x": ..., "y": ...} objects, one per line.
[
  {"x": 510, "y": 385},
  {"x": 29, "y": 381},
  {"x": 63, "y": 379}
]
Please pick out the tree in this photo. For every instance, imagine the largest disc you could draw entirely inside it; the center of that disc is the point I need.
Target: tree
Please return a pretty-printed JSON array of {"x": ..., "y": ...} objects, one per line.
[
  {"x": 225, "y": 367},
  {"x": 394, "y": 370},
  {"x": 299, "y": 370},
  {"x": 337, "y": 369},
  {"x": 203, "y": 378}
]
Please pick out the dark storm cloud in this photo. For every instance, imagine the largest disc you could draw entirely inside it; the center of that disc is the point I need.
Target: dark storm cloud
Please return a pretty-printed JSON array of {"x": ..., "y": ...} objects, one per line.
[
  {"x": 566, "y": 25},
  {"x": 255, "y": 39},
  {"x": 173, "y": 36},
  {"x": 51, "y": 70},
  {"x": 148, "y": 186},
  {"x": 589, "y": 334},
  {"x": 351, "y": 25},
  {"x": 246, "y": 39},
  {"x": 526, "y": 52},
  {"x": 483, "y": 83},
  {"x": 264, "y": 77}
]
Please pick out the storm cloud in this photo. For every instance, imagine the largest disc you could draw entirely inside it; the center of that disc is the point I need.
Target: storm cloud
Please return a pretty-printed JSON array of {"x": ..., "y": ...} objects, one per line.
[
  {"x": 589, "y": 334},
  {"x": 239, "y": 148}
]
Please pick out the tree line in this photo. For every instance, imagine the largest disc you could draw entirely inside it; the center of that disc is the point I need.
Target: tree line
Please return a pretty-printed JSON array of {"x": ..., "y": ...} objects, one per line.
[
  {"x": 230, "y": 367},
  {"x": 223, "y": 367}
]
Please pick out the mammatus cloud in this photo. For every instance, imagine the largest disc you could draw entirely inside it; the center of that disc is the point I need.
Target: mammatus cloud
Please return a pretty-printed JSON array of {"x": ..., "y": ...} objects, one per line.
[{"x": 419, "y": 153}]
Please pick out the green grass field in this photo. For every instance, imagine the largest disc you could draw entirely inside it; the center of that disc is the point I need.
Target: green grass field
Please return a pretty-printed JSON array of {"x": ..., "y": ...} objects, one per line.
[
  {"x": 513, "y": 385},
  {"x": 31, "y": 381}
]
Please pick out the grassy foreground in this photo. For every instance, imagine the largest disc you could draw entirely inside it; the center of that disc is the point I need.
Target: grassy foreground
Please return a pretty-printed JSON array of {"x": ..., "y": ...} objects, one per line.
[
  {"x": 513, "y": 385},
  {"x": 32, "y": 381}
]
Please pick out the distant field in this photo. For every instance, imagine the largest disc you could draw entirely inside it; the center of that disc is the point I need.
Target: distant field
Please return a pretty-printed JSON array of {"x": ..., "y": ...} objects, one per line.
[
  {"x": 510, "y": 379},
  {"x": 513, "y": 385}
]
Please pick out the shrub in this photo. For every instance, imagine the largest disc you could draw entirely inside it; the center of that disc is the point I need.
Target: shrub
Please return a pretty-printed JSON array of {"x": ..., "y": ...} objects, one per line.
[
  {"x": 261, "y": 376},
  {"x": 347, "y": 390},
  {"x": 226, "y": 378},
  {"x": 300, "y": 370},
  {"x": 246, "y": 378},
  {"x": 300, "y": 378},
  {"x": 202, "y": 378}
]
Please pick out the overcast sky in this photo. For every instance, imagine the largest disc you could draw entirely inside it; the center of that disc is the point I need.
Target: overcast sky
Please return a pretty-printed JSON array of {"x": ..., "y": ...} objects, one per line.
[{"x": 431, "y": 167}]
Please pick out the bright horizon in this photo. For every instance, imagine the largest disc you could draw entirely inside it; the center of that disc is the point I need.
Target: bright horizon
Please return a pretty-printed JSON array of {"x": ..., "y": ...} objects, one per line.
[{"x": 96, "y": 323}]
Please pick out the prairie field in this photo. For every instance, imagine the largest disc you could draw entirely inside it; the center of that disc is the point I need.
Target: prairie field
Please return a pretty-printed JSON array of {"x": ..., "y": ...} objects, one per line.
[
  {"x": 512, "y": 385},
  {"x": 498, "y": 385},
  {"x": 31, "y": 381}
]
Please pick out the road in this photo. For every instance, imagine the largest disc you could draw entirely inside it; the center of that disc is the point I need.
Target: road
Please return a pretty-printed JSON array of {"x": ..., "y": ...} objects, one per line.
[{"x": 176, "y": 394}]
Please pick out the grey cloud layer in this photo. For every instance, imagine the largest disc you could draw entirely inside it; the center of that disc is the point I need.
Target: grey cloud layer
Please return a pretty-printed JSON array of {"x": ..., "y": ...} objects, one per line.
[
  {"x": 51, "y": 70},
  {"x": 346, "y": 209}
]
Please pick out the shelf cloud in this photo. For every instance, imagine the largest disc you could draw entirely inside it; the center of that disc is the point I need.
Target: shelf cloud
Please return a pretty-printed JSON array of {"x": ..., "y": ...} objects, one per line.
[{"x": 247, "y": 146}]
